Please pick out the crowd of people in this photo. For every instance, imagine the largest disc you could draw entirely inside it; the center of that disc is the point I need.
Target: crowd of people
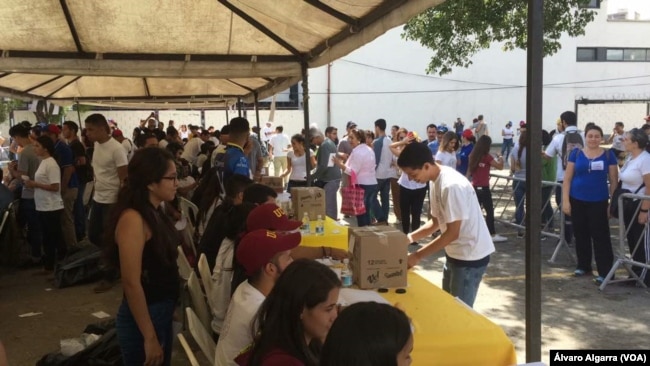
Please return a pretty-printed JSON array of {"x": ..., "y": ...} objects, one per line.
[{"x": 272, "y": 303}]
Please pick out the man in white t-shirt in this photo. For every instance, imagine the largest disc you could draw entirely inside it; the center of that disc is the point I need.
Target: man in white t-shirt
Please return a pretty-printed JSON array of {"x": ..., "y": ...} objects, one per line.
[
  {"x": 570, "y": 125},
  {"x": 267, "y": 133},
  {"x": 110, "y": 166},
  {"x": 616, "y": 139},
  {"x": 264, "y": 255},
  {"x": 126, "y": 143},
  {"x": 193, "y": 147},
  {"x": 456, "y": 212},
  {"x": 384, "y": 170},
  {"x": 279, "y": 145}
]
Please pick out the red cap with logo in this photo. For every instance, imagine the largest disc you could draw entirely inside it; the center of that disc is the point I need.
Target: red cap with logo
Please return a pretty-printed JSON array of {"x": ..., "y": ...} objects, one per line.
[
  {"x": 258, "y": 247},
  {"x": 53, "y": 129},
  {"x": 270, "y": 217}
]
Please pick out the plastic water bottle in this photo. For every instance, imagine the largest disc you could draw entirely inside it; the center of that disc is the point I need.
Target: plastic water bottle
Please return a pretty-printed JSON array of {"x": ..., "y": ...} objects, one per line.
[
  {"x": 346, "y": 273},
  {"x": 305, "y": 224},
  {"x": 320, "y": 226}
]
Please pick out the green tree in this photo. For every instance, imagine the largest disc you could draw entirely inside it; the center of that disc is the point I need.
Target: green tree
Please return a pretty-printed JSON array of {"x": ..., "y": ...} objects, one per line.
[
  {"x": 6, "y": 106},
  {"x": 458, "y": 29}
]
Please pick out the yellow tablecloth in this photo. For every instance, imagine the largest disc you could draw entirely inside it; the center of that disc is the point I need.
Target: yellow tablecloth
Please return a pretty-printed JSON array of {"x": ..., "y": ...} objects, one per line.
[
  {"x": 447, "y": 332},
  {"x": 335, "y": 236}
]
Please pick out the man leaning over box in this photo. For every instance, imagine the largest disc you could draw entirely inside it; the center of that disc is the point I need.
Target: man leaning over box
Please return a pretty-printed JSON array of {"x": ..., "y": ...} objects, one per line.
[{"x": 456, "y": 212}]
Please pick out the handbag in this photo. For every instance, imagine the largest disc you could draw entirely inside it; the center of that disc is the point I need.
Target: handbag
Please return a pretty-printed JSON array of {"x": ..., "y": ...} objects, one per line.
[
  {"x": 613, "y": 203},
  {"x": 352, "y": 202}
]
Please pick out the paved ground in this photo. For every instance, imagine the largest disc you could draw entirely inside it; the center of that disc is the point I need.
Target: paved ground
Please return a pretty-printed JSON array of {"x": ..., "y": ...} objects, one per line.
[{"x": 576, "y": 315}]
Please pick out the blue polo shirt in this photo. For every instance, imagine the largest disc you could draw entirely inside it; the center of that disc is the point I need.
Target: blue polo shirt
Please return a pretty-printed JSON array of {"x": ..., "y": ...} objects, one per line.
[
  {"x": 65, "y": 158},
  {"x": 235, "y": 162},
  {"x": 433, "y": 146},
  {"x": 589, "y": 181}
]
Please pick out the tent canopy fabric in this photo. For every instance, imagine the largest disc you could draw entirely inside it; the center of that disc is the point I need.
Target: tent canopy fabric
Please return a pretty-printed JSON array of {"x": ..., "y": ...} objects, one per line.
[{"x": 169, "y": 51}]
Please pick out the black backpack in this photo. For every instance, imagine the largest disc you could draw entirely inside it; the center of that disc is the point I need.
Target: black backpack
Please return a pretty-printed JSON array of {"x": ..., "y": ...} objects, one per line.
[{"x": 572, "y": 140}]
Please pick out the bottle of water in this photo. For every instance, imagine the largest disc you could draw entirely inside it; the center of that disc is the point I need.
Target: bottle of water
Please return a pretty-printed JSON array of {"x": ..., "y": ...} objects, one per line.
[
  {"x": 305, "y": 224},
  {"x": 346, "y": 273},
  {"x": 320, "y": 226}
]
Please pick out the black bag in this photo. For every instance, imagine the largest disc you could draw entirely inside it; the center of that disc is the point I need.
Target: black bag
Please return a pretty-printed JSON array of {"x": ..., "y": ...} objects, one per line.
[
  {"x": 80, "y": 267},
  {"x": 613, "y": 203}
]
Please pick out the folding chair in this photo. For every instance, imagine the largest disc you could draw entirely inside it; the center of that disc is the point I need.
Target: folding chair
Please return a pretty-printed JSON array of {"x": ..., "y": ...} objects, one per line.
[
  {"x": 199, "y": 303},
  {"x": 206, "y": 275},
  {"x": 190, "y": 210},
  {"x": 201, "y": 335},
  {"x": 188, "y": 350},
  {"x": 184, "y": 268}
]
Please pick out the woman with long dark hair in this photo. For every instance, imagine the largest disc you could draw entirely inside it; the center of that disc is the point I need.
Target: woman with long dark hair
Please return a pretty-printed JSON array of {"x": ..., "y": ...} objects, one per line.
[
  {"x": 48, "y": 201},
  {"x": 480, "y": 163},
  {"x": 518, "y": 170},
  {"x": 369, "y": 334},
  {"x": 293, "y": 322},
  {"x": 412, "y": 193},
  {"x": 142, "y": 242},
  {"x": 297, "y": 163}
]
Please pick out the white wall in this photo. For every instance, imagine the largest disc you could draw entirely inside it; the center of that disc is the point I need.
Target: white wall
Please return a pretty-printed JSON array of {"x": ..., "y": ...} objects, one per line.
[{"x": 442, "y": 99}]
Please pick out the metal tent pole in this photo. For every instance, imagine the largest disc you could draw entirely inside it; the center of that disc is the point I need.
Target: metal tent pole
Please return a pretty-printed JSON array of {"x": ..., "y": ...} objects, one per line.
[{"x": 305, "y": 106}]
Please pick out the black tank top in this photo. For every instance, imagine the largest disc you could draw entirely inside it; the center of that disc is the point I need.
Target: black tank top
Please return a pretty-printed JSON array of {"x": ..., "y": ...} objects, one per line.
[{"x": 160, "y": 280}]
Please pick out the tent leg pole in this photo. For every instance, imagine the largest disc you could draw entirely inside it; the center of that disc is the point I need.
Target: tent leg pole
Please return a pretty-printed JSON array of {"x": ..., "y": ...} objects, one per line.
[{"x": 305, "y": 106}]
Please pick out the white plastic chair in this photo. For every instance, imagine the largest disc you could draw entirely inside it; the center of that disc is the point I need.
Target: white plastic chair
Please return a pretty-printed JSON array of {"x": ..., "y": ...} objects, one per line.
[
  {"x": 184, "y": 268},
  {"x": 188, "y": 350},
  {"x": 206, "y": 275},
  {"x": 201, "y": 335},
  {"x": 199, "y": 303}
]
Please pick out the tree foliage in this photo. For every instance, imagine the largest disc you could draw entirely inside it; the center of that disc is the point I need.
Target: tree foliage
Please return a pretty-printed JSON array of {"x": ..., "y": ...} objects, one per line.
[
  {"x": 6, "y": 106},
  {"x": 458, "y": 29}
]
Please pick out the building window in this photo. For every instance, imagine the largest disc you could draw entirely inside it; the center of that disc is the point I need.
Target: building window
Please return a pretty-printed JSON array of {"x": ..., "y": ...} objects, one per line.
[
  {"x": 586, "y": 54},
  {"x": 631, "y": 54},
  {"x": 614, "y": 55},
  {"x": 592, "y": 4}
]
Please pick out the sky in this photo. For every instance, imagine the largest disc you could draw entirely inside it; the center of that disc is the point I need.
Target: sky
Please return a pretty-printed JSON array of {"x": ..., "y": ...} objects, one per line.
[{"x": 640, "y": 6}]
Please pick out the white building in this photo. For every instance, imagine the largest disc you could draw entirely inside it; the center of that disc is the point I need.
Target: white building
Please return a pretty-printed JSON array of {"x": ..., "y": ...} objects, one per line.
[{"x": 387, "y": 79}]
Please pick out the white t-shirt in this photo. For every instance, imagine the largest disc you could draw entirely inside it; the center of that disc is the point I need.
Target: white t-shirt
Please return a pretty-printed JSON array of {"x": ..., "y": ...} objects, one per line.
[
  {"x": 107, "y": 157},
  {"x": 446, "y": 158},
  {"x": 453, "y": 198},
  {"x": 385, "y": 167},
  {"x": 508, "y": 133},
  {"x": 267, "y": 133},
  {"x": 298, "y": 166},
  {"x": 236, "y": 331},
  {"x": 279, "y": 142},
  {"x": 48, "y": 172},
  {"x": 192, "y": 150},
  {"x": 184, "y": 134},
  {"x": 163, "y": 143},
  {"x": 632, "y": 172},
  {"x": 129, "y": 148},
  {"x": 617, "y": 142},
  {"x": 221, "y": 279},
  {"x": 405, "y": 182},
  {"x": 555, "y": 148}
]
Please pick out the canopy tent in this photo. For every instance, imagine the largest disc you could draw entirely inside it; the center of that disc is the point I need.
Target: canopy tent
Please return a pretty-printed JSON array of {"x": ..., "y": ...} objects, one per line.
[{"x": 201, "y": 51}]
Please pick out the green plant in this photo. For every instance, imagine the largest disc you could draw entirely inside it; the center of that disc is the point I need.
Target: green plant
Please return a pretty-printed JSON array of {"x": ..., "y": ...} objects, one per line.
[{"x": 7, "y": 105}]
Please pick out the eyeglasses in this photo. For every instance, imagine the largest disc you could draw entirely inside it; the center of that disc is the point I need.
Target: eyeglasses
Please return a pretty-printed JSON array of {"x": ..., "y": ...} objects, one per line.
[{"x": 173, "y": 178}]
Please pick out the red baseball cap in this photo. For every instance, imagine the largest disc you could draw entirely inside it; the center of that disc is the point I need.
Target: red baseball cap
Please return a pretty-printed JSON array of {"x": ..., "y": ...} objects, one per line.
[
  {"x": 258, "y": 247},
  {"x": 53, "y": 129},
  {"x": 117, "y": 133},
  {"x": 468, "y": 134},
  {"x": 270, "y": 217}
]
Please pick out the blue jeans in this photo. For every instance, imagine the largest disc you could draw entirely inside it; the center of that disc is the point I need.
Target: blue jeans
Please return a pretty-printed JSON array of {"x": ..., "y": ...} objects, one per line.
[
  {"x": 369, "y": 193},
  {"x": 130, "y": 337},
  {"x": 381, "y": 210},
  {"x": 462, "y": 281},
  {"x": 520, "y": 196},
  {"x": 505, "y": 148},
  {"x": 79, "y": 213},
  {"x": 30, "y": 217}
]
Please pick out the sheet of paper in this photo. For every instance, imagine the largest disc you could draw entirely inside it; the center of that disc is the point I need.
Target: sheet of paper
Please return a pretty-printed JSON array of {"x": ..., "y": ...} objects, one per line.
[
  {"x": 101, "y": 315},
  {"x": 330, "y": 163},
  {"x": 349, "y": 296}
]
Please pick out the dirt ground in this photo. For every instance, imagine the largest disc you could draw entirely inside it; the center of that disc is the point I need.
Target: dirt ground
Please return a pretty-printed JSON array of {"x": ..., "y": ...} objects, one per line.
[{"x": 576, "y": 315}]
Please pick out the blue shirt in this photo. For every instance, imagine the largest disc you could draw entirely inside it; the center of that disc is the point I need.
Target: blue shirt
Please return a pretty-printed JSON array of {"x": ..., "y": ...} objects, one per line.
[
  {"x": 589, "y": 181},
  {"x": 235, "y": 162},
  {"x": 65, "y": 159},
  {"x": 433, "y": 146},
  {"x": 463, "y": 157}
]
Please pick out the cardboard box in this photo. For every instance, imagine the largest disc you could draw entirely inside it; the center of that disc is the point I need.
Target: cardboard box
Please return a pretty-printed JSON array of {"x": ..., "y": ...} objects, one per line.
[
  {"x": 273, "y": 182},
  {"x": 379, "y": 256},
  {"x": 308, "y": 199}
]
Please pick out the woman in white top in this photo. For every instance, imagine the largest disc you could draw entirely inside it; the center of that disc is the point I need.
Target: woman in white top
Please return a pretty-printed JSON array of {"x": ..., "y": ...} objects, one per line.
[
  {"x": 411, "y": 192},
  {"x": 635, "y": 177},
  {"x": 361, "y": 162},
  {"x": 49, "y": 204},
  {"x": 508, "y": 140},
  {"x": 447, "y": 152},
  {"x": 297, "y": 163}
]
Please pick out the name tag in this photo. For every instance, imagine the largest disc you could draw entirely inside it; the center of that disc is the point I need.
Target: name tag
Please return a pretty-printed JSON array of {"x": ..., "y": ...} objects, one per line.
[{"x": 597, "y": 165}]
